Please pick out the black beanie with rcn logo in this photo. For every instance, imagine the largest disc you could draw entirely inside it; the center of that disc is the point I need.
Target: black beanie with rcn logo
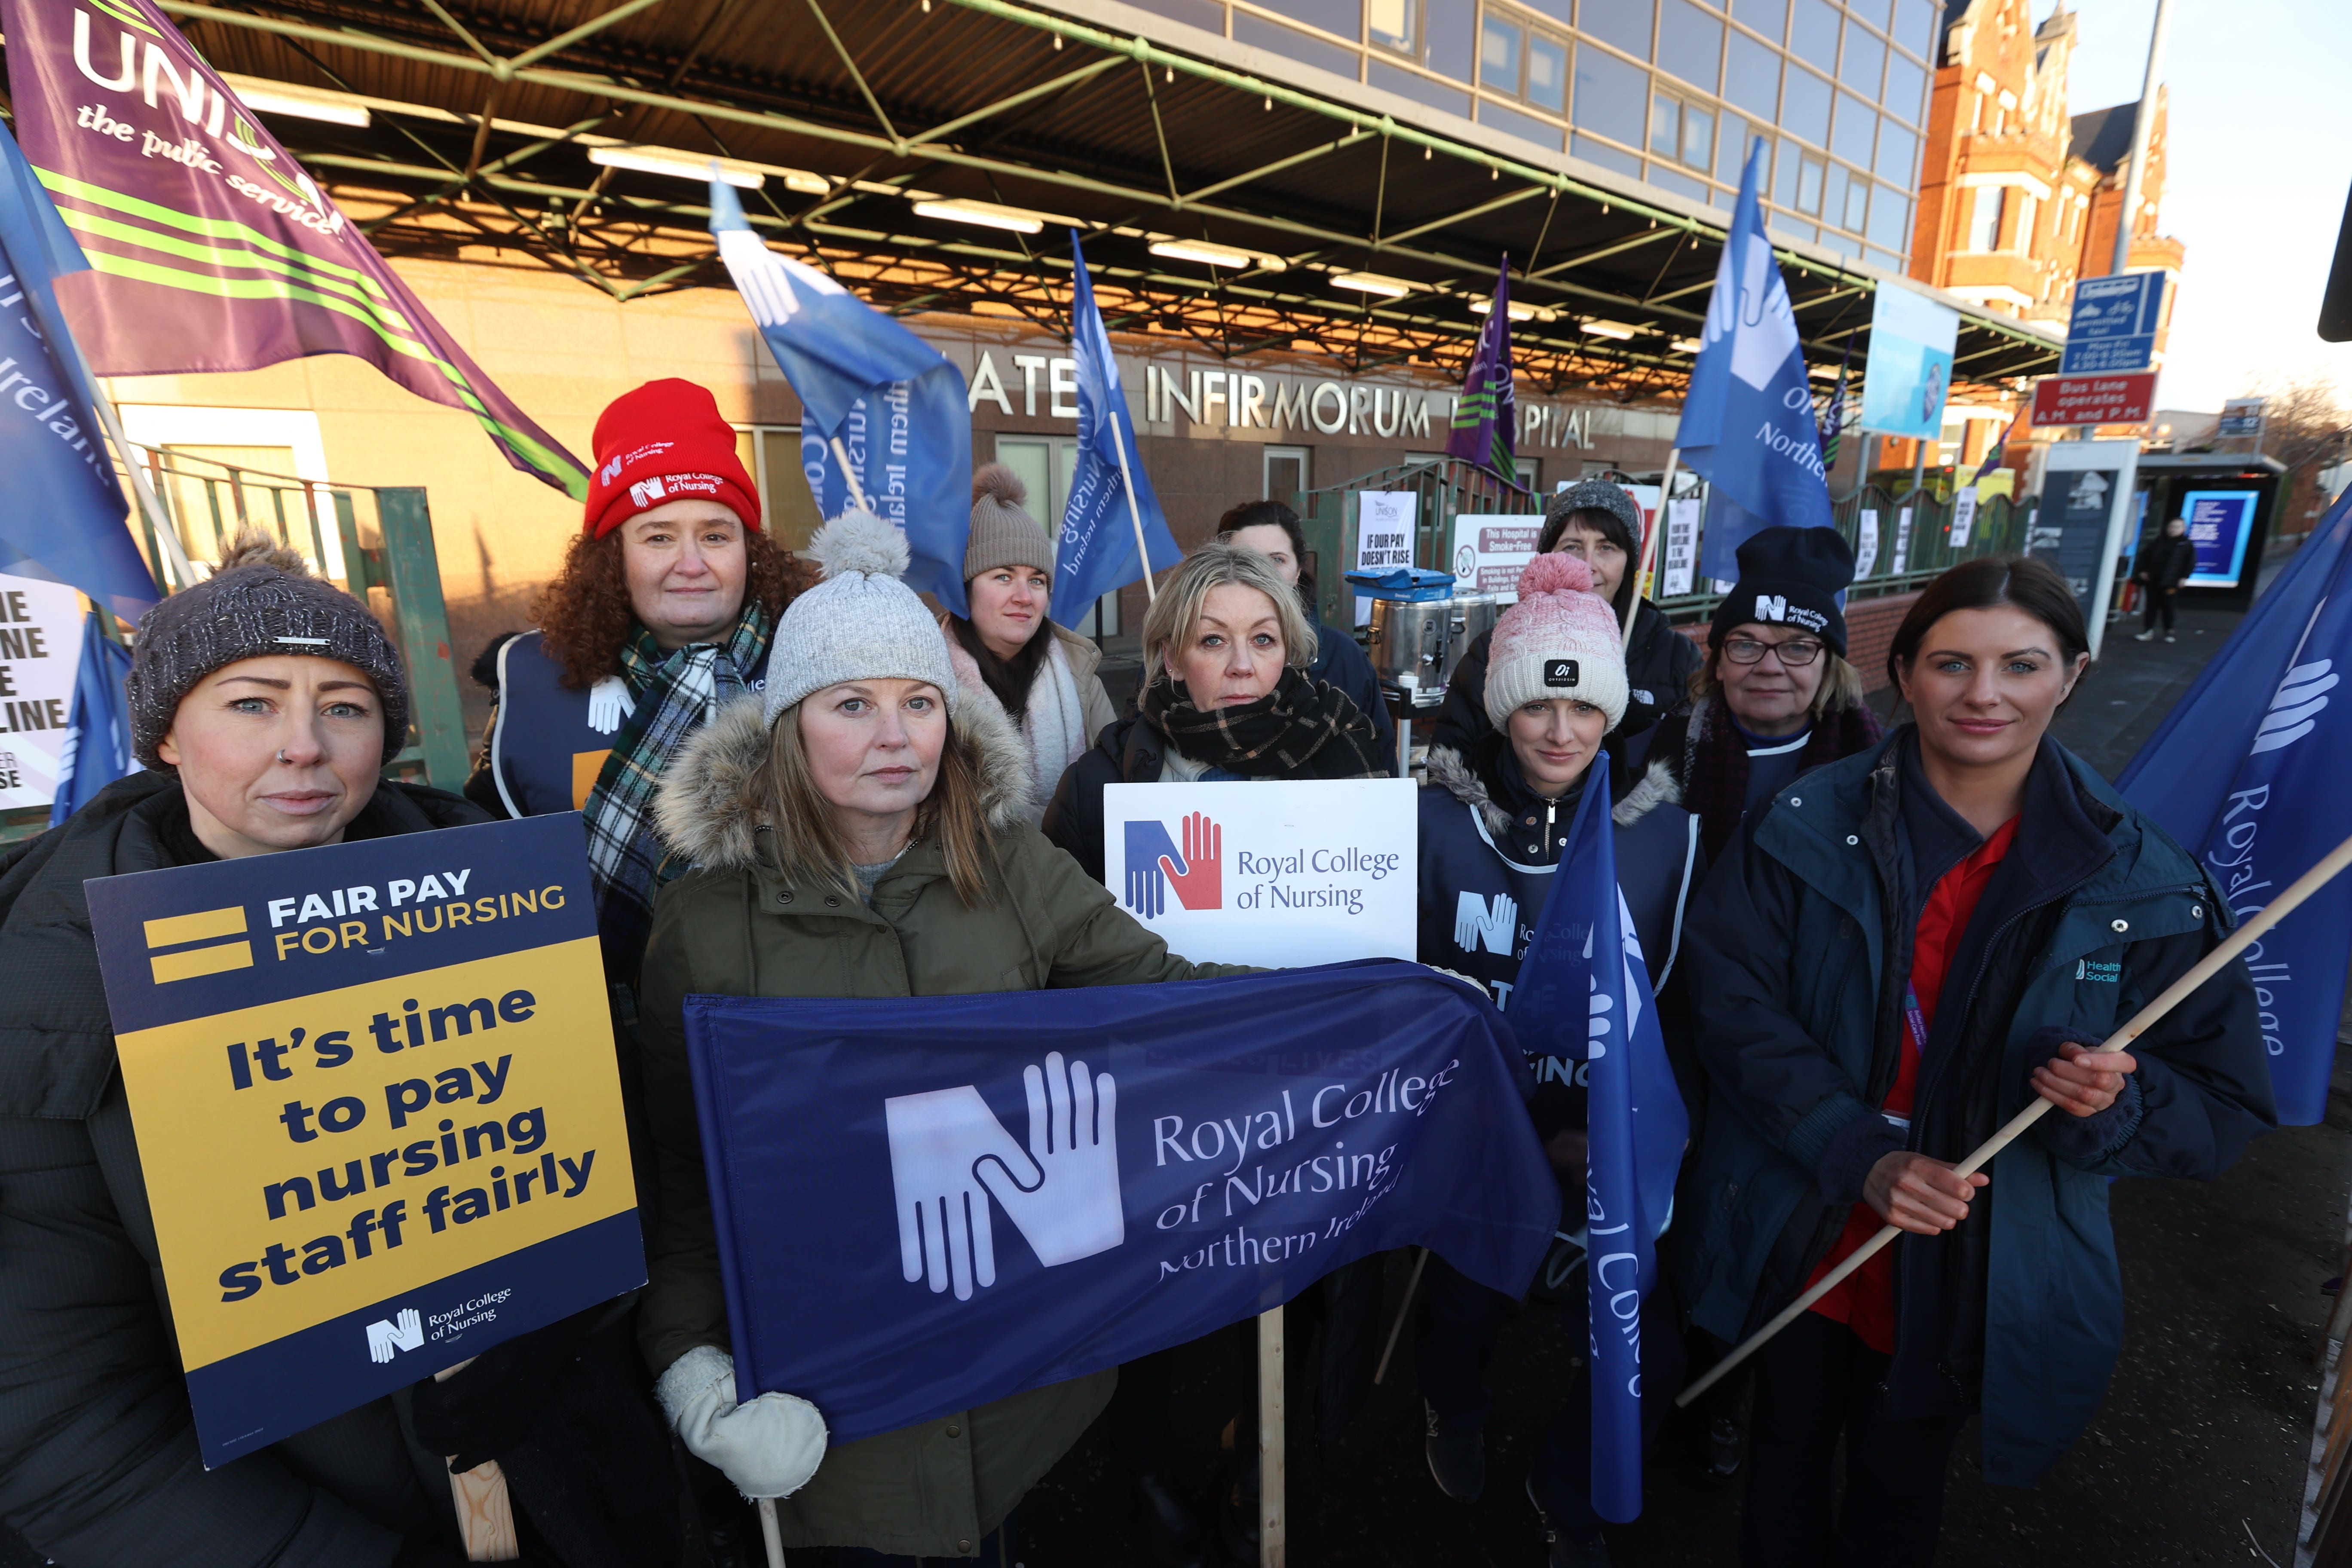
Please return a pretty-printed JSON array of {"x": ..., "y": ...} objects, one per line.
[{"x": 1792, "y": 577}]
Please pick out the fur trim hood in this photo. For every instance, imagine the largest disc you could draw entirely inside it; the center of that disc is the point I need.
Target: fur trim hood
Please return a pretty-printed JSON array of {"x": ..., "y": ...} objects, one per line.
[
  {"x": 706, "y": 811},
  {"x": 1449, "y": 770}
]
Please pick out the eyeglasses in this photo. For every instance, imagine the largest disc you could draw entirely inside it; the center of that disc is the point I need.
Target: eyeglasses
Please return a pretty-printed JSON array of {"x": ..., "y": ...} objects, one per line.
[{"x": 1795, "y": 654}]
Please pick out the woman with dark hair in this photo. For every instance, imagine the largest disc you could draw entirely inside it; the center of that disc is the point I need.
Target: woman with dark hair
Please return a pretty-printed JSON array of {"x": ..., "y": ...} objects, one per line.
[
  {"x": 664, "y": 608},
  {"x": 1896, "y": 953},
  {"x": 857, "y": 829},
  {"x": 1272, "y": 529},
  {"x": 1598, "y": 523},
  {"x": 1775, "y": 696},
  {"x": 1006, "y": 651}
]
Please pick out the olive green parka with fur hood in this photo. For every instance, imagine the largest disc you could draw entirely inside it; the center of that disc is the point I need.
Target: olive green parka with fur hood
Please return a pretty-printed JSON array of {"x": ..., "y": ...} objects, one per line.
[{"x": 738, "y": 925}]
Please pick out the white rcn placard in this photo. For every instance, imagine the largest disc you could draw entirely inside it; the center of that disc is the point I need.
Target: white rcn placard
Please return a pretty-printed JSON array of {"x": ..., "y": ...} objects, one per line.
[
  {"x": 40, "y": 650},
  {"x": 1281, "y": 874}
]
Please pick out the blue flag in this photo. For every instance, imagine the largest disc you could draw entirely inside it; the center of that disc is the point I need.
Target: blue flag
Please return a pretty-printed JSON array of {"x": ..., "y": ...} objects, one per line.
[
  {"x": 2247, "y": 772},
  {"x": 1098, "y": 548},
  {"x": 97, "y": 747},
  {"x": 1170, "y": 1159},
  {"x": 1748, "y": 423},
  {"x": 1584, "y": 994},
  {"x": 891, "y": 401},
  {"x": 63, "y": 521}
]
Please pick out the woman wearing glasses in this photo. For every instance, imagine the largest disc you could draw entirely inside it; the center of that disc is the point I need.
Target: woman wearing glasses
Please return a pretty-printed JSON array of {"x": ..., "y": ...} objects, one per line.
[{"x": 1775, "y": 696}]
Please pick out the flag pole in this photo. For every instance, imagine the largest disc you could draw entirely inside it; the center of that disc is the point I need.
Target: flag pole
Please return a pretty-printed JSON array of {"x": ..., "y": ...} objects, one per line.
[
  {"x": 770, "y": 1533},
  {"x": 1135, "y": 513},
  {"x": 1273, "y": 1510},
  {"x": 1650, "y": 542},
  {"x": 1403, "y": 1309},
  {"x": 2147, "y": 1018},
  {"x": 849, "y": 476}
]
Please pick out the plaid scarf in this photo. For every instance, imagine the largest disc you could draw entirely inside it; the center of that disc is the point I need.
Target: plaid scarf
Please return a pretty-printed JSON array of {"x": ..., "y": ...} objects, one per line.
[
  {"x": 1303, "y": 729},
  {"x": 674, "y": 691}
]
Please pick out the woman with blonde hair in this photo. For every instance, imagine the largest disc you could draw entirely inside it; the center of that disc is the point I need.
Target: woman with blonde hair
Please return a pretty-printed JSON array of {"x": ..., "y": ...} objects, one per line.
[
  {"x": 856, "y": 830},
  {"x": 1226, "y": 696}
]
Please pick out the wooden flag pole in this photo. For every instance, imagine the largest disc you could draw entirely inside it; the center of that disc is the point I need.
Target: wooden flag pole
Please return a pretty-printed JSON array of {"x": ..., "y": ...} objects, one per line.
[
  {"x": 485, "y": 1511},
  {"x": 1650, "y": 543},
  {"x": 770, "y": 1533},
  {"x": 1273, "y": 1510},
  {"x": 849, "y": 476},
  {"x": 1135, "y": 514},
  {"x": 2147, "y": 1018}
]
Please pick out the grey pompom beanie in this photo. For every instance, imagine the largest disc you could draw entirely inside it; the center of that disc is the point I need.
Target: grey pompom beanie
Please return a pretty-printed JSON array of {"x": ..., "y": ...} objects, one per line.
[
  {"x": 1595, "y": 495},
  {"x": 1003, "y": 534},
  {"x": 261, "y": 601},
  {"x": 860, "y": 624}
]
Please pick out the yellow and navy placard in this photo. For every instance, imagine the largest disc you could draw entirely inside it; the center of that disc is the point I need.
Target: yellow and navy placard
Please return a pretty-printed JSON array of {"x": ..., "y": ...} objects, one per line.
[{"x": 378, "y": 1110}]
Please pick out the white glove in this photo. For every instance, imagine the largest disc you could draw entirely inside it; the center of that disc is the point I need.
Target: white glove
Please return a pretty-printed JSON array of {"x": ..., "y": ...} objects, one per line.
[{"x": 769, "y": 1448}]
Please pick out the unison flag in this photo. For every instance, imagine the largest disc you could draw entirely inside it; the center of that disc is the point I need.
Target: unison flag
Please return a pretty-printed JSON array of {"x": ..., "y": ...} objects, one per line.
[
  {"x": 1584, "y": 994},
  {"x": 892, "y": 402},
  {"x": 1098, "y": 548},
  {"x": 1171, "y": 1159},
  {"x": 97, "y": 747},
  {"x": 2248, "y": 771},
  {"x": 209, "y": 247},
  {"x": 66, "y": 523},
  {"x": 1748, "y": 423},
  {"x": 1487, "y": 417}
]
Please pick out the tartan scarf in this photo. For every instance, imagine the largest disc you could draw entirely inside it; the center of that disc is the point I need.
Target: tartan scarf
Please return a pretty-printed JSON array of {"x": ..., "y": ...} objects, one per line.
[
  {"x": 1303, "y": 729},
  {"x": 673, "y": 691}
]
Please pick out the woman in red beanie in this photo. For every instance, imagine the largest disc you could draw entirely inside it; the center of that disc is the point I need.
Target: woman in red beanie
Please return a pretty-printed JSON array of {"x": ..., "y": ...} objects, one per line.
[{"x": 662, "y": 610}]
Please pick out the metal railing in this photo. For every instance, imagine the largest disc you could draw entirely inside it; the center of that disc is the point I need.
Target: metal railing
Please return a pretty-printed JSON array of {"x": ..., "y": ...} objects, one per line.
[{"x": 1446, "y": 489}]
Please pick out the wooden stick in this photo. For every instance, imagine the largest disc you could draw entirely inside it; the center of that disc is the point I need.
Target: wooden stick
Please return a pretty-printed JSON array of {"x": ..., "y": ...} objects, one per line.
[
  {"x": 1404, "y": 1309},
  {"x": 2212, "y": 963},
  {"x": 1650, "y": 542},
  {"x": 849, "y": 476},
  {"x": 1273, "y": 1519},
  {"x": 485, "y": 1511},
  {"x": 1135, "y": 514},
  {"x": 771, "y": 1533}
]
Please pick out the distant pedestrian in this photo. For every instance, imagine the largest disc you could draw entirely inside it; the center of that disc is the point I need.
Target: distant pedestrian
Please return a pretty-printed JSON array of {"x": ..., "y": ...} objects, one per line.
[
  {"x": 1775, "y": 695},
  {"x": 1896, "y": 953},
  {"x": 1273, "y": 530},
  {"x": 1007, "y": 651},
  {"x": 2167, "y": 562}
]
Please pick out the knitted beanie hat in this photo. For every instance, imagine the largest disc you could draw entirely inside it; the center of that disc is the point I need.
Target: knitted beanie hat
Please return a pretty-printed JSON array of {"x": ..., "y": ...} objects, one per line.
[
  {"x": 663, "y": 442},
  {"x": 1560, "y": 640},
  {"x": 1792, "y": 577},
  {"x": 860, "y": 624},
  {"x": 1003, "y": 534},
  {"x": 1595, "y": 495},
  {"x": 261, "y": 601}
]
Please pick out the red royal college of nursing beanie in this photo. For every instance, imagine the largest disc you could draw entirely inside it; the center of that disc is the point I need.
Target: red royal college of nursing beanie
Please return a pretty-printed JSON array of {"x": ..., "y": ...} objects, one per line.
[{"x": 664, "y": 442}]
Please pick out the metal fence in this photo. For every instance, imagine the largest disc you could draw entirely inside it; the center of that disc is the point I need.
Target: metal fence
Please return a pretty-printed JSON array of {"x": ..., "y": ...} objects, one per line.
[{"x": 1446, "y": 489}]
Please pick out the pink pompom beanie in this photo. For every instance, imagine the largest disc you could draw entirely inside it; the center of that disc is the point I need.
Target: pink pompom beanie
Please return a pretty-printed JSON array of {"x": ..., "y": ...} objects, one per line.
[{"x": 1558, "y": 640}]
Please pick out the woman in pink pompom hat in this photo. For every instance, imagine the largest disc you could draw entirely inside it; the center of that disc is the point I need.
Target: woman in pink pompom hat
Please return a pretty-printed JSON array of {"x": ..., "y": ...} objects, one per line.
[{"x": 1493, "y": 824}]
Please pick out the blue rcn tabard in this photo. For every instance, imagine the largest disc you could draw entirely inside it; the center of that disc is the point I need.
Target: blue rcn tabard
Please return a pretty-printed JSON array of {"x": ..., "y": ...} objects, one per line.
[{"x": 1169, "y": 1159}]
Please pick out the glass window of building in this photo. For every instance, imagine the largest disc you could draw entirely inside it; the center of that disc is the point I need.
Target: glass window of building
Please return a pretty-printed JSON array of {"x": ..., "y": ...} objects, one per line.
[
  {"x": 1857, "y": 204},
  {"x": 1547, "y": 73},
  {"x": 1805, "y": 106},
  {"x": 1855, "y": 134},
  {"x": 1751, "y": 75},
  {"x": 1770, "y": 17},
  {"x": 1448, "y": 24},
  {"x": 1864, "y": 62},
  {"x": 1907, "y": 87},
  {"x": 1731, "y": 153},
  {"x": 1390, "y": 24},
  {"x": 1498, "y": 56},
  {"x": 1813, "y": 34},
  {"x": 1915, "y": 26},
  {"x": 1611, "y": 95},
  {"x": 2022, "y": 243},
  {"x": 1812, "y": 175},
  {"x": 1890, "y": 220},
  {"x": 1690, "y": 44},
  {"x": 1345, "y": 17},
  {"x": 1834, "y": 184},
  {"x": 1784, "y": 173},
  {"x": 1624, "y": 23},
  {"x": 1897, "y": 149},
  {"x": 1984, "y": 218},
  {"x": 1682, "y": 129}
]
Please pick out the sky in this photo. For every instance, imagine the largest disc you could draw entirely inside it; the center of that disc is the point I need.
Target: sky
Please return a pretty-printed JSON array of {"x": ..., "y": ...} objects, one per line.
[{"x": 2256, "y": 184}]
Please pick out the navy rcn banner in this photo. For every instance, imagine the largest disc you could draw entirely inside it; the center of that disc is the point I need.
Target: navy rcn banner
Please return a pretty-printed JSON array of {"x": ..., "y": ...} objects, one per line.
[
  {"x": 378, "y": 1109},
  {"x": 1169, "y": 1159}
]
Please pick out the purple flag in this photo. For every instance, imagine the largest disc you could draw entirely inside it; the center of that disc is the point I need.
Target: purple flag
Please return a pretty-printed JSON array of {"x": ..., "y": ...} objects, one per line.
[
  {"x": 1487, "y": 417},
  {"x": 209, "y": 247}
]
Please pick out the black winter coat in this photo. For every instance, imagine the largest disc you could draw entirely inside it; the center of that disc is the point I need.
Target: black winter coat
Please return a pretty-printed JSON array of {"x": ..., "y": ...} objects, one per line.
[
  {"x": 2165, "y": 563},
  {"x": 1659, "y": 664},
  {"x": 97, "y": 1449}
]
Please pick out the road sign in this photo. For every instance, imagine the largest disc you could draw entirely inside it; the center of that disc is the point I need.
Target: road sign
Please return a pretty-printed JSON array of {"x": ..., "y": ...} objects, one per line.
[
  {"x": 2115, "y": 323},
  {"x": 2094, "y": 399},
  {"x": 2241, "y": 416}
]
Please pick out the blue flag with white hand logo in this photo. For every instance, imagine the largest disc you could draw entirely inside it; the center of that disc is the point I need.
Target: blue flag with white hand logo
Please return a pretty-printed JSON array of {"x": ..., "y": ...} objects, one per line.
[
  {"x": 1111, "y": 511},
  {"x": 1748, "y": 423},
  {"x": 926, "y": 1203},
  {"x": 64, "y": 522},
  {"x": 1584, "y": 994},
  {"x": 97, "y": 747},
  {"x": 868, "y": 387},
  {"x": 2247, "y": 772}
]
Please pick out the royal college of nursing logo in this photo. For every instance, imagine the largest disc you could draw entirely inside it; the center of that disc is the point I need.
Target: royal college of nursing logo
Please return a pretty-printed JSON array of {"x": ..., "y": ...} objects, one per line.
[
  {"x": 1154, "y": 865},
  {"x": 949, "y": 1155}
]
